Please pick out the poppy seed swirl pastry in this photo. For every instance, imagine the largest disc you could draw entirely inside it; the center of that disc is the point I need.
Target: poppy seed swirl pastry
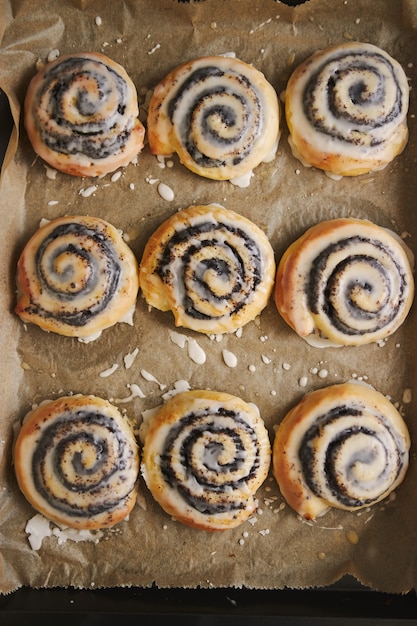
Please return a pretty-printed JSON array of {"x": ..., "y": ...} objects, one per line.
[
  {"x": 345, "y": 446},
  {"x": 219, "y": 114},
  {"x": 205, "y": 455},
  {"x": 81, "y": 115},
  {"x": 346, "y": 109},
  {"x": 213, "y": 268},
  {"x": 76, "y": 277},
  {"x": 345, "y": 282},
  {"x": 77, "y": 462}
]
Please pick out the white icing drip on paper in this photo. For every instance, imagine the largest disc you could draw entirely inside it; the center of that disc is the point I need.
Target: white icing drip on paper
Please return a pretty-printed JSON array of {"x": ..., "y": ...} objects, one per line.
[
  {"x": 136, "y": 392},
  {"x": 90, "y": 338},
  {"x": 50, "y": 172},
  {"x": 128, "y": 317},
  {"x": 115, "y": 177},
  {"x": 38, "y": 528},
  {"x": 129, "y": 358},
  {"x": 229, "y": 358},
  {"x": 177, "y": 338},
  {"x": 109, "y": 371},
  {"x": 179, "y": 386},
  {"x": 150, "y": 378},
  {"x": 52, "y": 55},
  {"x": 165, "y": 192},
  {"x": 88, "y": 191},
  {"x": 195, "y": 351},
  {"x": 242, "y": 181}
]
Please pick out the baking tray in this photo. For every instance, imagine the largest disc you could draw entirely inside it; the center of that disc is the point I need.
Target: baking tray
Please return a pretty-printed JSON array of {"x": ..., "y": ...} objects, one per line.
[{"x": 345, "y": 602}]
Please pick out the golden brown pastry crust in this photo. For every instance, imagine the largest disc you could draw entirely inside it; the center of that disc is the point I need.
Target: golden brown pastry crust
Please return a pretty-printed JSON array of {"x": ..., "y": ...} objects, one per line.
[
  {"x": 76, "y": 277},
  {"x": 213, "y": 268},
  {"x": 345, "y": 446},
  {"x": 81, "y": 115},
  {"x": 219, "y": 114},
  {"x": 77, "y": 462},
  {"x": 345, "y": 282},
  {"x": 346, "y": 109},
  {"x": 205, "y": 455}
]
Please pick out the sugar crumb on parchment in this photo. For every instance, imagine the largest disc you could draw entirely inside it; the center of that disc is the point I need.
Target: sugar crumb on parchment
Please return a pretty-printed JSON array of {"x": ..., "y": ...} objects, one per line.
[{"x": 154, "y": 49}]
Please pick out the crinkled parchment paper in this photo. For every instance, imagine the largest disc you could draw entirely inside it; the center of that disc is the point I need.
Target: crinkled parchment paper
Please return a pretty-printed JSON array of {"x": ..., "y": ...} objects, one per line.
[{"x": 276, "y": 550}]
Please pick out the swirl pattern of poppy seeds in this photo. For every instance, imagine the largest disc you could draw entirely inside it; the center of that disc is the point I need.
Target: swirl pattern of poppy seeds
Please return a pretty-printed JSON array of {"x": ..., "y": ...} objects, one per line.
[
  {"x": 345, "y": 446},
  {"x": 219, "y": 114},
  {"x": 346, "y": 108},
  {"x": 76, "y": 462},
  {"x": 77, "y": 276},
  {"x": 205, "y": 455},
  {"x": 345, "y": 282},
  {"x": 81, "y": 115},
  {"x": 214, "y": 269}
]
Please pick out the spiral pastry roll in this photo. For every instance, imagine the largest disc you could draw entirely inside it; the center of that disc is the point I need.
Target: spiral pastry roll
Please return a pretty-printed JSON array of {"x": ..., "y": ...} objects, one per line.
[
  {"x": 76, "y": 277},
  {"x": 77, "y": 462},
  {"x": 81, "y": 115},
  {"x": 219, "y": 114},
  {"x": 205, "y": 455},
  {"x": 345, "y": 282},
  {"x": 213, "y": 268},
  {"x": 346, "y": 109},
  {"x": 345, "y": 446}
]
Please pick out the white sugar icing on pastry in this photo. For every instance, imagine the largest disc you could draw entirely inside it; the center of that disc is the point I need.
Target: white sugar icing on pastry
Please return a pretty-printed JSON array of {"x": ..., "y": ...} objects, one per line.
[
  {"x": 346, "y": 108},
  {"x": 81, "y": 115},
  {"x": 76, "y": 277},
  {"x": 205, "y": 455},
  {"x": 345, "y": 446},
  {"x": 77, "y": 462},
  {"x": 345, "y": 282},
  {"x": 219, "y": 114},
  {"x": 213, "y": 268}
]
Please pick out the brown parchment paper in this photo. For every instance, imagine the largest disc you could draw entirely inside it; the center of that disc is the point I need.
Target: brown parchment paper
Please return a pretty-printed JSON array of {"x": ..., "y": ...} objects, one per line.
[{"x": 277, "y": 550}]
